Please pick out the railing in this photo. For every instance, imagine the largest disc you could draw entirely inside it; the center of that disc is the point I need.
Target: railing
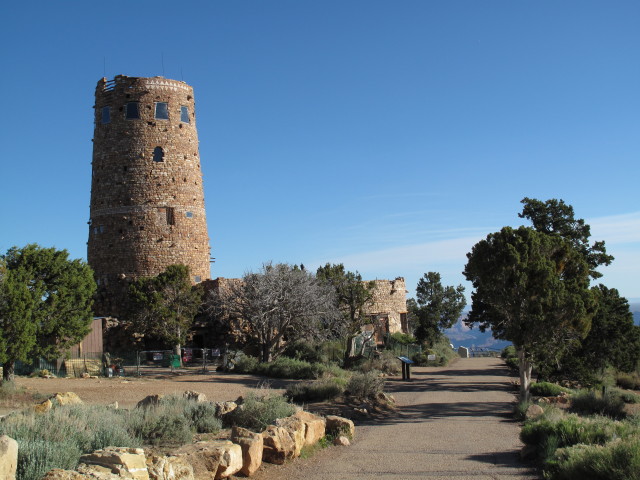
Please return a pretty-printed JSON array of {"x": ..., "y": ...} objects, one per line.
[{"x": 484, "y": 352}]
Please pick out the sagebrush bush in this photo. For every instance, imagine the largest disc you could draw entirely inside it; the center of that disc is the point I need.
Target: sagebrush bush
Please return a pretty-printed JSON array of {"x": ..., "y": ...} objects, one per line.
[
  {"x": 630, "y": 381},
  {"x": 385, "y": 362},
  {"x": 614, "y": 461},
  {"x": 258, "y": 411},
  {"x": 520, "y": 410},
  {"x": 304, "y": 350},
  {"x": 285, "y": 367},
  {"x": 547, "y": 389},
  {"x": 627, "y": 397},
  {"x": 317, "y": 390},
  {"x": 591, "y": 403},
  {"x": 547, "y": 434},
  {"x": 37, "y": 457},
  {"x": 365, "y": 385}
]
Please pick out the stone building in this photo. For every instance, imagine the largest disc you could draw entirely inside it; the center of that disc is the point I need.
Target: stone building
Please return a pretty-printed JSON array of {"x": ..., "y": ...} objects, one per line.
[
  {"x": 147, "y": 201},
  {"x": 388, "y": 311}
]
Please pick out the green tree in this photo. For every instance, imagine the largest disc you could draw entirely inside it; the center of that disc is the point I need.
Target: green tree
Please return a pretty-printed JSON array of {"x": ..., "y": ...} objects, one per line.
[
  {"x": 613, "y": 340},
  {"x": 164, "y": 307},
  {"x": 554, "y": 217},
  {"x": 532, "y": 289},
  {"x": 45, "y": 304},
  {"x": 438, "y": 307},
  {"x": 353, "y": 295}
]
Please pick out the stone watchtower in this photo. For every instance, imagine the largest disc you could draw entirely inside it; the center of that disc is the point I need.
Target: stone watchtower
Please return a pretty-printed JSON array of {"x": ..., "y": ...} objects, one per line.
[{"x": 147, "y": 201}]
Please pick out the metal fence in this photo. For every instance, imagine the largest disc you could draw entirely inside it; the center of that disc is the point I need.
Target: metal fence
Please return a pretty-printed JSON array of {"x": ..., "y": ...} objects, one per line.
[{"x": 484, "y": 352}]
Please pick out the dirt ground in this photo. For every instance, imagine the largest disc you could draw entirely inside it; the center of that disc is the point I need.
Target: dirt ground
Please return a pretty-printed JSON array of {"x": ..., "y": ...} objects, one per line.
[{"x": 128, "y": 391}]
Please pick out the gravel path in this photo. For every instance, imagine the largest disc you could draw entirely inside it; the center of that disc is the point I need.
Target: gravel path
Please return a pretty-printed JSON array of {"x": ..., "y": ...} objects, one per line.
[{"x": 452, "y": 423}]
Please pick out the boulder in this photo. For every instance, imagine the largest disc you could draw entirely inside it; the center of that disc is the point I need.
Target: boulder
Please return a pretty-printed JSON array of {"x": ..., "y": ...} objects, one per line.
[
  {"x": 43, "y": 407},
  {"x": 98, "y": 472},
  {"x": 150, "y": 401},
  {"x": 339, "y": 425},
  {"x": 314, "y": 426},
  {"x": 296, "y": 429},
  {"x": 278, "y": 445},
  {"x": 212, "y": 459},
  {"x": 126, "y": 462},
  {"x": 169, "y": 468},
  {"x": 113, "y": 406},
  {"x": 8, "y": 458},
  {"x": 222, "y": 408},
  {"x": 66, "y": 398},
  {"x": 196, "y": 396},
  {"x": 341, "y": 441},
  {"x": 533, "y": 411},
  {"x": 252, "y": 446},
  {"x": 59, "y": 474}
]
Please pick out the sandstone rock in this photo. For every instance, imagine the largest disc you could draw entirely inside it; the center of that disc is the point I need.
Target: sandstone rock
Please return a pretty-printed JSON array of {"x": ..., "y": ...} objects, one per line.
[
  {"x": 196, "y": 396},
  {"x": 252, "y": 445},
  {"x": 278, "y": 445},
  {"x": 85, "y": 375},
  {"x": 169, "y": 468},
  {"x": 337, "y": 425},
  {"x": 8, "y": 458},
  {"x": 533, "y": 411},
  {"x": 341, "y": 441},
  {"x": 113, "y": 406},
  {"x": 98, "y": 472},
  {"x": 150, "y": 401},
  {"x": 296, "y": 429},
  {"x": 128, "y": 462},
  {"x": 43, "y": 407},
  {"x": 67, "y": 398},
  {"x": 222, "y": 408},
  {"x": 59, "y": 474},
  {"x": 213, "y": 459},
  {"x": 314, "y": 426}
]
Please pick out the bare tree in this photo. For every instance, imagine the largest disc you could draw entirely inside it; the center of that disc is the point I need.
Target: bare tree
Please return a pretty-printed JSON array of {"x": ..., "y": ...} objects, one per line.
[{"x": 279, "y": 303}]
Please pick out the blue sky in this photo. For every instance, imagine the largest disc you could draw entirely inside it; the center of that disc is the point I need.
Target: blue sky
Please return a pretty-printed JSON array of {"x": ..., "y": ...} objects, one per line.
[{"x": 390, "y": 136}]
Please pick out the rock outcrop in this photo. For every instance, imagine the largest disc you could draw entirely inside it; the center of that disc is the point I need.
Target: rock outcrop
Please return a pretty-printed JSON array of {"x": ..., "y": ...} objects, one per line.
[{"x": 252, "y": 445}]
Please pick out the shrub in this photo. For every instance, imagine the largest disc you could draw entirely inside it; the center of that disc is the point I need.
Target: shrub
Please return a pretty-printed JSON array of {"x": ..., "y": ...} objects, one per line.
[
  {"x": 385, "y": 362},
  {"x": 627, "y": 397},
  {"x": 513, "y": 363},
  {"x": 509, "y": 352},
  {"x": 403, "y": 338},
  {"x": 257, "y": 412},
  {"x": 37, "y": 457},
  {"x": 318, "y": 390},
  {"x": 547, "y": 389},
  {"x": 245, "y": 364},
  {"x": 615, "y": 461},
  {"x": 365, "y": 385},
  {"x": 304, "y": 350},
  {"x": 546, "y": 433},
  {"x": 163, "y": 424},
  {"x": 630, "y": 381},
  {"x": 520, "y": 410},
  {"x": 202, "y": 417},
  {"x": 590, "y": 403}
]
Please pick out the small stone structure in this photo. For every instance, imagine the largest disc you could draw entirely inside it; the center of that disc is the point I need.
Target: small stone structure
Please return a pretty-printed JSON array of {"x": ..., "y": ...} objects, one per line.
[
  {"x": 147, "y": 201},
  {"x": 388, "y": 310}
]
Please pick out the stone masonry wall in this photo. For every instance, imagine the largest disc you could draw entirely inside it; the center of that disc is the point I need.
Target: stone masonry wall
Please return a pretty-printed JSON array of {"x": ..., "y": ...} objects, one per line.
[
  {"x": 390, "y": 298},
  {"x": 147, "y": 200}
]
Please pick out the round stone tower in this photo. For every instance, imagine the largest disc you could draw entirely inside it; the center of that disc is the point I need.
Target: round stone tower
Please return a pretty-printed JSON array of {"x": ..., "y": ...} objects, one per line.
[{"x": 147, "y": 201}]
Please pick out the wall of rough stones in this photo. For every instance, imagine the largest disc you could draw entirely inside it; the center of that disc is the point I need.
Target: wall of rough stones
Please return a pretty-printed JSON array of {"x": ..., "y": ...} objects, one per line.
[
  {"x": 147, "y": 200},
  {"x": 390, "y": 299}
]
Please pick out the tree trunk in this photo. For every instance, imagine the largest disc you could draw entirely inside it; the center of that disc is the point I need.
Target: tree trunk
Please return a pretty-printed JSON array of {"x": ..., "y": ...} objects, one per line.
[
  {"x": 266, "y": 353},
  {"x": 8, "y": 371},
  {"x": 525, "y": 376}
]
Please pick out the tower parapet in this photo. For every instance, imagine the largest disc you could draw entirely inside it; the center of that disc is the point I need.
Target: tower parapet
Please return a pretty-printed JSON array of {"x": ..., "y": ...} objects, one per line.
[{"x": 147, "y": 199}]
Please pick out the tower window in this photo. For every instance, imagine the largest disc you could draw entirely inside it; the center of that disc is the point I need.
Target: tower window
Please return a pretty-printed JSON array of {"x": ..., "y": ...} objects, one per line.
[
  {"x": 184, "y": 114},
  {"x": 158, "y": 154},
  {"x": 133, "y": 110},
  {"x": 188, "y": 214},
  {"x": 197, "y": 279},
  {"x": 162, "y": 110},
  {"x": 170, "y": 216},
  {"x": 106, "y": 114}
]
